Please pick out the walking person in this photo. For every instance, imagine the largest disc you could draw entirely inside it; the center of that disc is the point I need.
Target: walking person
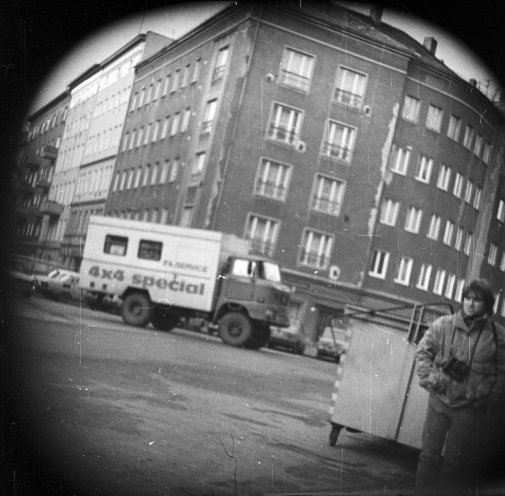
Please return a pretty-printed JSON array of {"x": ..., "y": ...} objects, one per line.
[{"x": 461, "y": 362}]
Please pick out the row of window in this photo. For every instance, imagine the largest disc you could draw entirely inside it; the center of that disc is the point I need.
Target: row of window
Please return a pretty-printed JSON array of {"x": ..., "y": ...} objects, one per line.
[
  {"x": 111, "y": 103},
  {"x": 389, "y": 214},
  {"x": 157, "y": 130},
  {"x": 172, "y": 82},
  {"x": 157, "y": 215},
  {"x": 28, "y": 228},
  {"x": 400, "y": 159},
  {"x": 56, "y": 118},
  {"x": 101, "y": 141},
  {"x": 471, "y": 140},
  {"x": 146, "y": 175},
  {"x": 443, "y": 283}
]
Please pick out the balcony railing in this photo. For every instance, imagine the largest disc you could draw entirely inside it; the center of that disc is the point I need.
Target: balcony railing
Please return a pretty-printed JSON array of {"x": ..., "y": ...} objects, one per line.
[
  {"x": 337, "y": 152},
  {"x": 265, "y": 248},
  {"x": 313, "y": 259},
  {"x": 294, "y": 80},
  {"x": 352, "y": 100},
  {"x": 270, "y": 189},
  {"x": 282, "y": 134},
  {"x": 49, "y": 152},
  {"x": 325, "y": 205},
  {"x": 42, "y": 182},
  {"x": 51, "y": 207}
]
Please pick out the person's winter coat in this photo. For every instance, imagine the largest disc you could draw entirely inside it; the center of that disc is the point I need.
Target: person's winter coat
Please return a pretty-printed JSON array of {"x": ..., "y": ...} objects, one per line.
[{"x": 486, "y": 379}]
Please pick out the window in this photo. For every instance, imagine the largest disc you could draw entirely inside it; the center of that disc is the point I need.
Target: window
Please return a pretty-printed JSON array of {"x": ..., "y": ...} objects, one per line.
[
  {"x": 459, "y": 290},
  {"x": 493, "y": 254},
  {"x": 284, "y": 124},
  {"x": 327, "y": 195},
  {"x": 164, "y": 171},
  {"x": 132, "y": 139},
  {"x": 142, "y": 96},
  {"x": 164, "y": 130},
  {"x": 479, "y": 141},
  {"x": 164, "y": 216},
  {"x": 454, "y": 127},
  {"x": 469, "y": 192},
  {"x": 221, "y": 61},
  {"x": 137, "y": 177},
  {"x": 148, "y": 132},
  {"x": 156, "y": 131},
  {"x": 339, "y": 141},
  {"x": 458, "y": 185},
  {"x": 444, "y": 176},
  {"x": 134, "y": 101},
  {"x": 166, "y": 85},
  {"x": 150, "y": 93},
  {"x": 175, "y": 124},
  {"x": 434, "y": 228},
  {"x": 272, "y": 180},
  {"x": 468, "y": 138},
  {"x": 296, "y": 69},
  {"x": 448, "y": 233},
  {"x": 185, "y": 75},
  {"x": 149, "y": 250},
  {"x": 449, "y": 288},
  {"x": 198, "y": 164},
  {"x": 147, "y": 173},
  {"x": 438, "y": 285},
  {"x": 502, "y": 263},
  {"x": 400, "y": 159},
  {"x": 500, "y": 214},
  {"x": 174, "y": 170},
  {"x": 116, "y": 182},
  {"x": 379, "y": 267},
  {"x": 411, "y": 108},
  {"x": 196, "y": 70},
  {"x": 403, "y": 271},
  {"x": 468, "y": 244},
  {"x": 154, "y": 174},
  {"x": 488, "y": 149},
  {"x": 185, "y": 120},
  {"x": 157, "y": 90},
  {"x": 413, "y": 219},
  {"x": 423, "y": 279},
  {"x": 208, "y": 117},
  {"x": 434, "y": 118},
  {"x": 477, "y": 197},
  {"x": 459, "y": 239},
  {"x": 424, "y": 168},
  {"x": 263, "y": 234},
  {"x": 350, "y": 88},
  {"x": 115, "y": 245},
  {"x": 129, "y": 180},
  {"x": 125, "y": 141},
  {"x": 316, "y": 249},
  {"x": 389, "y": 212},
  {"x": 139, "y": 137}
]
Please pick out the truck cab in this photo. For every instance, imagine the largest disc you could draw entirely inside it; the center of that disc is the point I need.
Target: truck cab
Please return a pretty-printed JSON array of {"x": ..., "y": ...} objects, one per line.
[{"x": 250, "y": 289}]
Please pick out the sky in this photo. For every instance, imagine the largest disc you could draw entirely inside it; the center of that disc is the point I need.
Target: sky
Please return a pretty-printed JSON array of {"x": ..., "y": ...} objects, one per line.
[{"x": 176, "y": 20}]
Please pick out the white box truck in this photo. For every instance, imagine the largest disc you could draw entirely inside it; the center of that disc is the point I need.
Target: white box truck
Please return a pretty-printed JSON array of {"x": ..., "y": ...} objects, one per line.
[{"x": 163, "y": 273}]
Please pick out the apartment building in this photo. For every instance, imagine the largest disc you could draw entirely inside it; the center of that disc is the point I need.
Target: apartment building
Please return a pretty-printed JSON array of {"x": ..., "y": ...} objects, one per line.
[
  {"x": 97, "y": 107},
  {"x": 41, "y": 140}
]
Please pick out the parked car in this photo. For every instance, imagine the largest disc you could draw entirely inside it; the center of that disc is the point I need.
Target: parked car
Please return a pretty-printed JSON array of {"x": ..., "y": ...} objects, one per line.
[
  {"x": 20, "y": 279},
  {"x": 60, "y": 284},
  {"x": 103, "y": 303},
  {"x": 330, "y": 343},
  {"x": 290, "y": 338}
]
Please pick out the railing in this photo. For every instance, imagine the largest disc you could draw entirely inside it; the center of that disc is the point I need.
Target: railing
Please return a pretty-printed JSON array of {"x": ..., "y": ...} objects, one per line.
[
  {"x": 347, "y": 98},
  {"x": 295, "y": 80},
  {"x": 51, "y": 207},
  {"x": 313, "y": 259},
  {"x": 270, "y": 189},
  {"x": 49, "y": 152},
  {"x": 337, "y": 152},
  {"x": 259, "y": 247},
  {"x": 282, "y": 134},
  {"x": 325, "y": 205}
]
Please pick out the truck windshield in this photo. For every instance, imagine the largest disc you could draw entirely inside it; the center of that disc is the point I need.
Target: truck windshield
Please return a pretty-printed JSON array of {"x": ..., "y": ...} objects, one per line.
[
  {"x": 263, "y": 270},
  {"x": 271, "y": 272}
]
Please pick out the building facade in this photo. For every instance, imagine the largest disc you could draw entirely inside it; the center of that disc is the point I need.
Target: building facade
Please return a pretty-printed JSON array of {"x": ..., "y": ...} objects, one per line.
[
  {"x": 98, "y": 102},
  {"x": 337, "y": 144},
  {"x": 36, "y": 164}
]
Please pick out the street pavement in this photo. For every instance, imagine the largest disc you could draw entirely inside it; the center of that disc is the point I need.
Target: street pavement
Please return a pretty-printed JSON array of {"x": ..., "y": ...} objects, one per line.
[{"x": 98, "y": 407}]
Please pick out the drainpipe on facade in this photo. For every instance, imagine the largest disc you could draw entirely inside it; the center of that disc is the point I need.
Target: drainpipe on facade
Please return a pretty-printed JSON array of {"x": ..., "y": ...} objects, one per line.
[{"x": 235, "y": 124}]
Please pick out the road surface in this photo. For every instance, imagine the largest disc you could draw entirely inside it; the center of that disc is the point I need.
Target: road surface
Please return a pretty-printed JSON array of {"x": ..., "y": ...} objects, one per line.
[{"x": 105, "y": 408}]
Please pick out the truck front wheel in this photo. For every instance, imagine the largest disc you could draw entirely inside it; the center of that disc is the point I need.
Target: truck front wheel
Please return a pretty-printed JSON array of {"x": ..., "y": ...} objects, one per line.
[
  {"x": 260, "y": 337},
  {"x": 137, "y": 309},
  {"x": 163, "y": 320},
  {"x": 235, "y": 329}
]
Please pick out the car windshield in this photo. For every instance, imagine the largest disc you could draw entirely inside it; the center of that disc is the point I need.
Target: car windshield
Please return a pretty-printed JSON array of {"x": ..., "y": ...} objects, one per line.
[
  {"x": 54, "y": 273},
  {"x": 327, "y": 334},
  {"x": 271, "y": 272}
]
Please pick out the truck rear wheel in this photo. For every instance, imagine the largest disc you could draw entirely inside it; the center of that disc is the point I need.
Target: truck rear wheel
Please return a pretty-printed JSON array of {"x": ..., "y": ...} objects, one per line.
[
  {"x": 137, "y": 309},
  {"x": 163, "y": 320},
  {"x": 235, "y": 329},
  {"x": 260, "y": 337}
]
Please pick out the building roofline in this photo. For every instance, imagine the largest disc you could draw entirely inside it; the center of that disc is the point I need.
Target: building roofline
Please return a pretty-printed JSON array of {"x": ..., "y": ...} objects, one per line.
[{"x": 55, "y": 101}]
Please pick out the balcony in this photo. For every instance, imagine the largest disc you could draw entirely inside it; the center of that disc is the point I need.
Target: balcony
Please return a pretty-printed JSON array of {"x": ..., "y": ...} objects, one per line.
[
  {"x": 27, "y": 211},
  {"x": 49, "y": 152},
  {"x": 42, "y": 182},
  {"x": 51, "y": 207}
]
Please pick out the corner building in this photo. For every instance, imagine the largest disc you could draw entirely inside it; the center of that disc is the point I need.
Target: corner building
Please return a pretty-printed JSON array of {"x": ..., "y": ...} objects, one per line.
[{"x": 306, "y": 132}]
